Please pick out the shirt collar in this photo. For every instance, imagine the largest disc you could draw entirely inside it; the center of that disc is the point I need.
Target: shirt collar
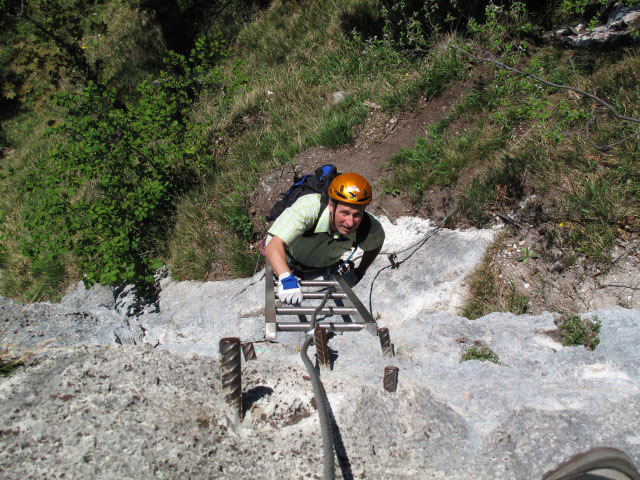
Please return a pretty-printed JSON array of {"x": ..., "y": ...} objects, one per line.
[{"x": 323, "y": 222}]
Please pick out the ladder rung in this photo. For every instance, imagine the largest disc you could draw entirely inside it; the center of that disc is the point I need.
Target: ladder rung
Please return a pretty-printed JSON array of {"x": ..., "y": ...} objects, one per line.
[
  {"x": 320, "y": 295},
  {"x": 314, "y": 283},
  {"x": 303, "y": 327},
  {"x": 318, "y": 283},
  {"x": 311, "y": 310}
]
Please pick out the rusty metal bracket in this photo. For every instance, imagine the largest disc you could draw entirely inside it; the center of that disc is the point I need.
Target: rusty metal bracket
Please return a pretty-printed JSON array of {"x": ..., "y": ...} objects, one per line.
[
  {"x": 249, "y": 352},
  {"x": 385, "y": 342},
  {"x": 322, "y": 346},
  {"x": 391, "y": 378}
]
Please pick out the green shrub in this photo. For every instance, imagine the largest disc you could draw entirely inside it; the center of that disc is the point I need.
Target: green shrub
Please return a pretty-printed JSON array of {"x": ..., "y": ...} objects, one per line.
[
  {"x": 335, "y": 131},
  {"x": 576, "y": 330},
  {"x": 108, "y": 189},
  {"x": 479, "y": 352}
]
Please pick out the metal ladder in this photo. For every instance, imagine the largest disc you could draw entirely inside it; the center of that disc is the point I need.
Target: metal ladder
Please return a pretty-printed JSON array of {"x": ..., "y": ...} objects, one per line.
[{"x": 347, "y": 314}]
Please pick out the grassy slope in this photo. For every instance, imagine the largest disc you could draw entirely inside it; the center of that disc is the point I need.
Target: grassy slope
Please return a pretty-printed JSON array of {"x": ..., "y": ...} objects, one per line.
[
  {"x": 294, "y": 60},
  {"x": 294, "y": 55},
  {"x": 293, "y": 66}
]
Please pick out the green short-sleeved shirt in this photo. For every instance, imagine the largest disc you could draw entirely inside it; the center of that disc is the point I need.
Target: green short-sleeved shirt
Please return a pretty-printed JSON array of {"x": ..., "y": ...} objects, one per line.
[{"x": 322, "y": 249}]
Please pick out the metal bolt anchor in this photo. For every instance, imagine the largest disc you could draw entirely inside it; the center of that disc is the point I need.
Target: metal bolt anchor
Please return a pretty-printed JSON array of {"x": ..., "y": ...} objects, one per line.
[
  {"x": 322, "y": 346},
  {"x": 385, "y": 342},
  {"x": 249, "y": 352},
  {"x": 391, "y": 378},
  {"x": 230, "y": 373}
]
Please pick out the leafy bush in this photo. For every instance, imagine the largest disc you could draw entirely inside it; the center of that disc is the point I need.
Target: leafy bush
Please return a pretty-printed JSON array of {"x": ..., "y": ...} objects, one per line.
[
  {"x": 107, "y": 191},
  {"x": 576, "y": 330}
]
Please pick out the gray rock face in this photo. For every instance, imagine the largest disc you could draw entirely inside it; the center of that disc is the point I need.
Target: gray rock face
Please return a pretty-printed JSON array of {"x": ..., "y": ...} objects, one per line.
[
  {"x": 105, "y": 408},
  {"x": 621, "y": 24}
]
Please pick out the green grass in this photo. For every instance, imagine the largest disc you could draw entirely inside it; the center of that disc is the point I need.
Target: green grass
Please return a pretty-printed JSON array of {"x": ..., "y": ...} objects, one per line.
[
  {"x": 594, "y": 208},
  {"x": 576, "y": 330},
  {"x": 9, "y": 366},
  {"x": 489, "y": 292},
  {"x": 192, "y": 251},
  {"x": 479, "y": 352},
  {"x": 437, "y": 159},
  {"x": 337, "y": 128},
  {"x": 598, "y": 191}
]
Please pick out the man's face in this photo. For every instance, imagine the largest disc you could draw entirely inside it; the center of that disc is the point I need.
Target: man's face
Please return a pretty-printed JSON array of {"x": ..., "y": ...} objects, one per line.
[{"x": 346, "y": 218}]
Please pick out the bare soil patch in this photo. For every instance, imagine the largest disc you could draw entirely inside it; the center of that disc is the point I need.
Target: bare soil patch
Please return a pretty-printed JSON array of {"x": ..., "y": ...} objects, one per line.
[
  {"x": 381, "y": 137},
  {"x": 561, "y": 281}
]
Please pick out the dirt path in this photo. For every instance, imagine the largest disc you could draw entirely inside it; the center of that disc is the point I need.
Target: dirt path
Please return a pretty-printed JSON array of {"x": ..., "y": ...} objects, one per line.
[{"x": 377, "y": 141}]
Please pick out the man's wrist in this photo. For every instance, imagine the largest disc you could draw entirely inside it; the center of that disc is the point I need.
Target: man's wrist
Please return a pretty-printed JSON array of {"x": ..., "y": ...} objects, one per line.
[{"x": 288, "y": 281}]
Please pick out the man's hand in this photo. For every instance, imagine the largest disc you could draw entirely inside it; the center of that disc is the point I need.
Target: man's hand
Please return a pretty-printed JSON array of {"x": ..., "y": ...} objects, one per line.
[
  {"x": 289, "y": 291},
  {"x": 352, "y": 277}
]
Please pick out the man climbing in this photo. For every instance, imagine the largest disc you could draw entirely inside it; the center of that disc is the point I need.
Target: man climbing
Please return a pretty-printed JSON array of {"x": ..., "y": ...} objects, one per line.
[{"x": 307, "y": 238}]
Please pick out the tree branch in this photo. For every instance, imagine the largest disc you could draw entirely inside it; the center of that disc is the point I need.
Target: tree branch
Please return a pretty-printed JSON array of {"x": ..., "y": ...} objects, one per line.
[
  {"x": 606, "y": 148},
  {"x": 73, "y": 50},
  {"x": 542, "y": 80}
]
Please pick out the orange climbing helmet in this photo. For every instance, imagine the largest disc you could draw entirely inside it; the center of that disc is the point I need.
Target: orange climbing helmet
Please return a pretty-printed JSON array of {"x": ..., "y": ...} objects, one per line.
[{"x": 350, "y": 188}]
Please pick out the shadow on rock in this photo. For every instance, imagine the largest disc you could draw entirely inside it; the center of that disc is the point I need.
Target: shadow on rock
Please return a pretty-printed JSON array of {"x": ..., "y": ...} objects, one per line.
[{"x": 253, "y": 395}]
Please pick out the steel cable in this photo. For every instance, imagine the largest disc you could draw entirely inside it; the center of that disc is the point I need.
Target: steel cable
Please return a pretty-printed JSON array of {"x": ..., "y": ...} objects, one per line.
[
  {"x": 321, "y": 398},
  {"x": 325, "y": 425},
  {"x": 417, "y": 246}
]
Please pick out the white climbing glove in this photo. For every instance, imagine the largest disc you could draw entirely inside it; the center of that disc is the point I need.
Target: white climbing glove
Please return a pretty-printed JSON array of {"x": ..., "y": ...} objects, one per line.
[
  {"x": 289, "y": 291},
  {"x": 352, "y": 277}
]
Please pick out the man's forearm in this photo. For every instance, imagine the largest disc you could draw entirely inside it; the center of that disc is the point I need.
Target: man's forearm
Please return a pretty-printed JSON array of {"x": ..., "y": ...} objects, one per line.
[
  {"x": 367, "y": 259},
  {"x": 276, "y": 256}
]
